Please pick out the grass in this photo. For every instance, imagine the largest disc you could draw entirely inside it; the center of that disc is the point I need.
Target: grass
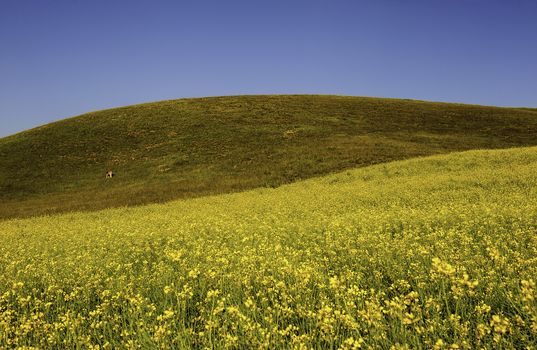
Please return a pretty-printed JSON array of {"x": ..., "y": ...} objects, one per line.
[
  {"x": 432, "y": 253},
  {"x": 194, "y": 147}
]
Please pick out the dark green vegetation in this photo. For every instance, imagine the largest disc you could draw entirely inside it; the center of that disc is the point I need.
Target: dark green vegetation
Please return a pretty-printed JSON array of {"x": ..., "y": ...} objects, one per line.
[{"x": 193, "y": 147}]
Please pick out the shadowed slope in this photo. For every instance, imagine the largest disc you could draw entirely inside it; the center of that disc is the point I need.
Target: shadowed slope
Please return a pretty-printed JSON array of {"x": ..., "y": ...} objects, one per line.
[{"x": 192, "y": 147}]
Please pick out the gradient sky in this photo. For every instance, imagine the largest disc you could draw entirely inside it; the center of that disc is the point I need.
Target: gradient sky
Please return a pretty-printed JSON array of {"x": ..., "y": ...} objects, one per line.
[{"x": 61, "y": 58}]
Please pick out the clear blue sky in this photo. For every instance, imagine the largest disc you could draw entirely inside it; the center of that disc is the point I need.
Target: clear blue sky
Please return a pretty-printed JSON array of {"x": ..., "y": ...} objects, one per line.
[{"x": 61, "y": 58}]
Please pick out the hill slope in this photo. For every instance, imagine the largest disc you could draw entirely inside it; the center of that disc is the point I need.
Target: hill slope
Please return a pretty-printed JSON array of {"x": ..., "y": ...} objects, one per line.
[
  {"x": 423, "y": 252},
  {"x": 192, "y": 147}
]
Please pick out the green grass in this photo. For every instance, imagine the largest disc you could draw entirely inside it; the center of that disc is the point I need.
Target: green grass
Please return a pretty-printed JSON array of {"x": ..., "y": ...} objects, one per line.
[
  {"x": 426, "y": 253},
  {"x": 194, "y": 147}
]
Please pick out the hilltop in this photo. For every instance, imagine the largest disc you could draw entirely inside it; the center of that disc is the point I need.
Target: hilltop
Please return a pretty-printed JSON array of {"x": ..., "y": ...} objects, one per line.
[{"x": 194, "y": 147}]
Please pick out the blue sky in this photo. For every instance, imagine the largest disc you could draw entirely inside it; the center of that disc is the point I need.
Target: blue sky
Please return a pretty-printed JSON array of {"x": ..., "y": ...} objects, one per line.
[{"x": 65, "y": 57}]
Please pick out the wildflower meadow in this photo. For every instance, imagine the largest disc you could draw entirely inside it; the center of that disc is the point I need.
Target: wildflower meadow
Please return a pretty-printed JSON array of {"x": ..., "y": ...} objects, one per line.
[{"x": 429, "y": 253}]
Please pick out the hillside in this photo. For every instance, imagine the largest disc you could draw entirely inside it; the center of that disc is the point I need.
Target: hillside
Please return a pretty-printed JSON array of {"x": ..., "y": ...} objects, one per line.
[
  {"x": 193, "y": 147},
  {"x": 432, "y": 253}
]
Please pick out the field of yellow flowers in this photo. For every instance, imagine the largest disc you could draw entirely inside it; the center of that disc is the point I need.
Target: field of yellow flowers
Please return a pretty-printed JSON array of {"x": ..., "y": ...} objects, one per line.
[{"x": 435, "y": 253}]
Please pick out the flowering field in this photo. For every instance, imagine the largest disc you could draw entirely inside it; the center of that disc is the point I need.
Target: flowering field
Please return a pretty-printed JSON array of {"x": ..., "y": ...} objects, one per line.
[{"x": 437, "y": 252}]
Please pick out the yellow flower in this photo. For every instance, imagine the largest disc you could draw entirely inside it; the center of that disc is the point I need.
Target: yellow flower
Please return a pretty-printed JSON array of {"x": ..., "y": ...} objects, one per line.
[
  {"x": 442, "y": 267},
  {"x": 528, "y": 287}
]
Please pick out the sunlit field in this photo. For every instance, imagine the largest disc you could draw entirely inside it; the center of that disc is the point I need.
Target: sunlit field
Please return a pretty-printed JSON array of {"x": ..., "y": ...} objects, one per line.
[{"x": 432, "y": 253}]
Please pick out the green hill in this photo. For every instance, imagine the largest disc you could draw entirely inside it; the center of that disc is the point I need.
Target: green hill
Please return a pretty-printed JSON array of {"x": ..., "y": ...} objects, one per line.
[
  {"x": 192, "y": 147},
  {"x": 428, "y": 253}
]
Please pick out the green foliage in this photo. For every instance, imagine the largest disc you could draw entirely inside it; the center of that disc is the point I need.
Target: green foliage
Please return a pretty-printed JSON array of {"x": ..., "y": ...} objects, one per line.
[
  {"x": 194, "y": 147},
  {"x": 429, "y": 253}
]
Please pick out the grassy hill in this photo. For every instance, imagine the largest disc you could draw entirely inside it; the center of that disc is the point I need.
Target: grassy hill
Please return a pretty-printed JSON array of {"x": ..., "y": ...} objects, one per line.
[
  {"x": 429, "y": 253},
  {"x": 192, "y": 147}
]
